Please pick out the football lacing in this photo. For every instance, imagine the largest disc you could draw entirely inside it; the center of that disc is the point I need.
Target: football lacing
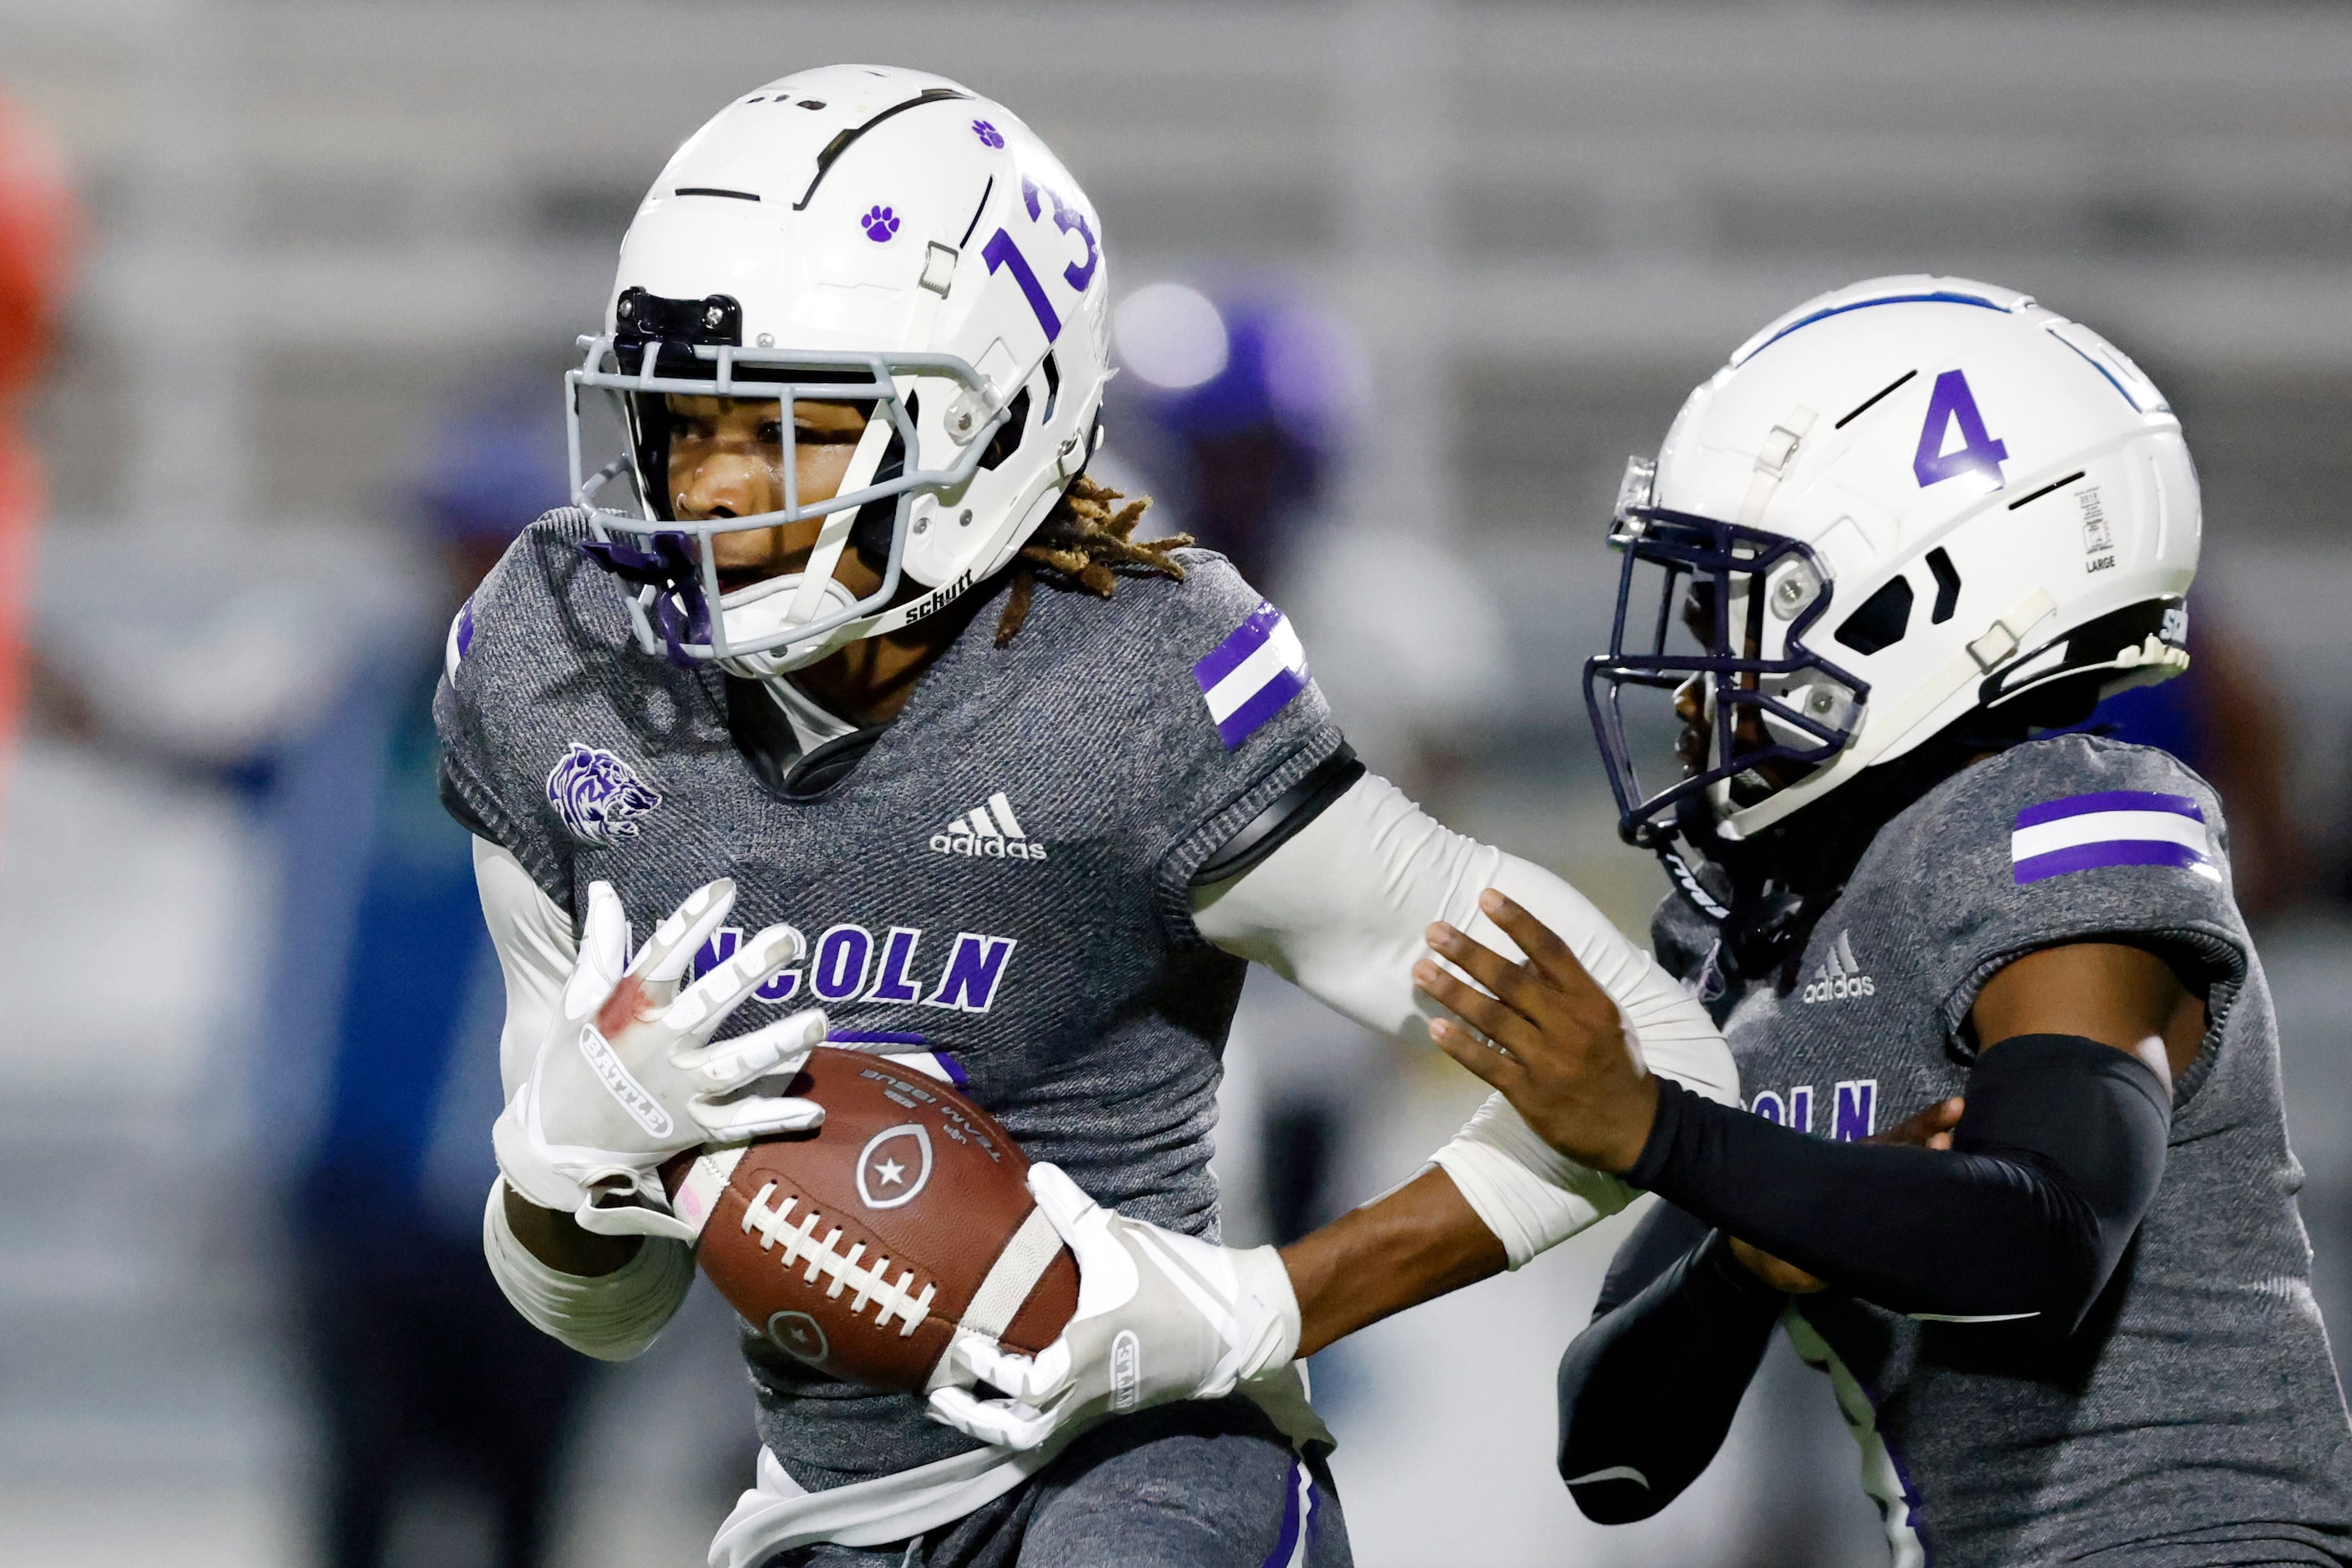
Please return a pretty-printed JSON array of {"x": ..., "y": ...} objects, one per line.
[{"x": 871, "y": 1282}]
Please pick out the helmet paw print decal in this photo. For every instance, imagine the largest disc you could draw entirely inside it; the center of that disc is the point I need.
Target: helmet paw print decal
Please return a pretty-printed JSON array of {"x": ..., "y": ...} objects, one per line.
[
  {"x": 990, "y": 136},
  {"x": 879, "y": 224}
]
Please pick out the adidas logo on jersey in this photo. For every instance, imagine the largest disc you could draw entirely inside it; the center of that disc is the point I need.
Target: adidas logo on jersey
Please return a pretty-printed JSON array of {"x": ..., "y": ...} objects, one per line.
[
  {"x": 1840, "y": 976},
  {"x": 990, "y": 831}
]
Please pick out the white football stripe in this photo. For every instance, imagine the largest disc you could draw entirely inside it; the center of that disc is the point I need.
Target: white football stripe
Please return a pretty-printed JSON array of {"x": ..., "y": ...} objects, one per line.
[
  {"x": 704, "y": 1180},
  {"x": 2106, "y": 827},
  {"x": 1281, "y": 650},
  {"x": 1013, "y": 1277}
]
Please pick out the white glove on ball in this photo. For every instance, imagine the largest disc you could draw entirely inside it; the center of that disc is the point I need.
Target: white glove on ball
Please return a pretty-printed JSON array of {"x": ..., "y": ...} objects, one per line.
[
  {"x": 627, "y": 1075},
  {"x": 1160, "y": 1316}
]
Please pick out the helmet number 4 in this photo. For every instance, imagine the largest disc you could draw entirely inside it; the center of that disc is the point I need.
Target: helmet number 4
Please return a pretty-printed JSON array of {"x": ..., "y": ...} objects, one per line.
[{"x": 1950, "y": 403}]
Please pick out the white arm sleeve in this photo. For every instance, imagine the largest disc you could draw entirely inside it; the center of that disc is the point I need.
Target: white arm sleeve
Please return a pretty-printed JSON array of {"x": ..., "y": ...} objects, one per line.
[
  {"x": 536, "y": 950},
  {"x": 1341, "y": 910},
  {"x": 609, "y": 1316}
]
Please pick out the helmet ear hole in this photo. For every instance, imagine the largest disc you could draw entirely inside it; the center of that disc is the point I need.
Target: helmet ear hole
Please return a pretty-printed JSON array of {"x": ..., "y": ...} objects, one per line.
[
  {"x": 1881, "y": 621},
  {"x": 1007, "y": 439}
]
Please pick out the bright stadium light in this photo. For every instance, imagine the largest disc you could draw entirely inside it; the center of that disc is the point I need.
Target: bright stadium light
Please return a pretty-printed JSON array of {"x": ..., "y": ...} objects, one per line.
[{"x": 1171, "y": 336}]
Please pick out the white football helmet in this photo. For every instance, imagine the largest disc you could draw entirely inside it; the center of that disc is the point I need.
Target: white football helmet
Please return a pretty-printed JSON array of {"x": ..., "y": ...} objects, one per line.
[
  {"x": 1900, "y": 502},
  {"x": 855, "y": 234}
]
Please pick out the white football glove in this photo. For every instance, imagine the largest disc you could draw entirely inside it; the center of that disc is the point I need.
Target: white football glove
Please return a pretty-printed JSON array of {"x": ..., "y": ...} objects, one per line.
[
  {"x": 627, "y": 1077},
  {"x": 1160, "y": 1316}
]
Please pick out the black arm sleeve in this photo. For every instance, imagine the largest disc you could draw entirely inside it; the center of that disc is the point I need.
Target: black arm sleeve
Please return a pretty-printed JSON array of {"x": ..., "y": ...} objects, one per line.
[
  {"x": 1647, "y": 1393},
  {"x": 2051, "y": 1168}
]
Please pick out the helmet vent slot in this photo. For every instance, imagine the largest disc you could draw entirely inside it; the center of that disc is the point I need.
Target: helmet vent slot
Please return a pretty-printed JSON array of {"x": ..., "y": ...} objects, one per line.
[
  {"x": 1007, "y": 439},
  {"x": 985, "y": 192},
  {"x": 1052, "y": 389},
  {"x": 1881, "y": 621},
  {"x": 2037, "y": 495},
  {"x": 842, "y": 142},
  {"x": 1867, "y": 404},
  {"x": 1947, "y": 586}
]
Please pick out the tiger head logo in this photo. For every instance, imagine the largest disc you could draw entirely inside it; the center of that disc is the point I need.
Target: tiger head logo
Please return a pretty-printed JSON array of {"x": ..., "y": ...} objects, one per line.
[{"x": 598, "y": 796}]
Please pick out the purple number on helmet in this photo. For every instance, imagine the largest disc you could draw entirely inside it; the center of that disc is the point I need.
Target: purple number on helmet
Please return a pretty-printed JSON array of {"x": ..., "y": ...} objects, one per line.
[
  {"x": 1950, "y": 403},
  {"x": 1069, "y": 220},
  {"x": 1077, "y": 275},
  {"x": 1001, "y": 251}
]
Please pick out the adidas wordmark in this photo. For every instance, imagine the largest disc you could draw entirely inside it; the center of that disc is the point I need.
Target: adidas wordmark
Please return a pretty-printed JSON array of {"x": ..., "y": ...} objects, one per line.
[
  {"x": 1840, "y": 976},
  {"x": 990, "y": 831}
]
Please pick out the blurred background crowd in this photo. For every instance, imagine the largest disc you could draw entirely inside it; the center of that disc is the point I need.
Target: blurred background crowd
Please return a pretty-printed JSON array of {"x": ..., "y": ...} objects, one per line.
[{"x": 285, "y": 293}]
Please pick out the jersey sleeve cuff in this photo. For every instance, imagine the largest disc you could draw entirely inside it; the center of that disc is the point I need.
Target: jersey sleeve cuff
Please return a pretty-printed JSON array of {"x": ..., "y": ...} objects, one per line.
[{"x": 1193, "y": 850}]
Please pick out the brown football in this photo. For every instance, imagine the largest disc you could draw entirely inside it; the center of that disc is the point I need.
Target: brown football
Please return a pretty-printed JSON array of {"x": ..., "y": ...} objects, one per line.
[{"x": 866, "y": 1247}]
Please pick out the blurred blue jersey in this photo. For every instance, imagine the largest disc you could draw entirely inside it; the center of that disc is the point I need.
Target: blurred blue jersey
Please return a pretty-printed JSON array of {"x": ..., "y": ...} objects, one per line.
[{"x": 414, "y": 1005}]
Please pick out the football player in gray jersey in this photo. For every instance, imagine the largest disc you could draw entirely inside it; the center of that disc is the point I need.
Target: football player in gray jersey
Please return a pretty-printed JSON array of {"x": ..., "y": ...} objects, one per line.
[
  {"x": 843, "y": 675},
  {"x": 2014, "y": 1170}
]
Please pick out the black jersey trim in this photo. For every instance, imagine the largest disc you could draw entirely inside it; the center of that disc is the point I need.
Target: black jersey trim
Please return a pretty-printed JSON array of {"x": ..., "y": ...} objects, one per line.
[
  {"x": 1189, "y": 850},
  {"x": 1291, "y": 810},
  {"x": 454, "y": 802}
]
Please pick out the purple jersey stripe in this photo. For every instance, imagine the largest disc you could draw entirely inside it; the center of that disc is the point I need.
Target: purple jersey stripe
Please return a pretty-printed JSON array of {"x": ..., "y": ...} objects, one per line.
[
  {"x": 954, "y": 1069},
  {"x": 871, "y": 1037},
  {"x": 2108, "y": 800},
  {"x": 1272, "y": 698},
  {"x": 2112, "y": 852},
  {"x": 1285, "y": 1542},
  {"x": 1247, "y": 638}
]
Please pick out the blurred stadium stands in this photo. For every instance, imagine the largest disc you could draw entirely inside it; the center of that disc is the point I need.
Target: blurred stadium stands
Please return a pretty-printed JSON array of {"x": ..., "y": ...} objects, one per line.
[{"x": 313, "y": 226}]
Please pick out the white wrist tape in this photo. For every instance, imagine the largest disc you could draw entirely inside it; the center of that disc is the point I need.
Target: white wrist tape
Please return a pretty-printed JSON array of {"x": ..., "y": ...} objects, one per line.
[
  {"x": 1529, "y": 1194},
  {"x": 612, "y": 1316}
]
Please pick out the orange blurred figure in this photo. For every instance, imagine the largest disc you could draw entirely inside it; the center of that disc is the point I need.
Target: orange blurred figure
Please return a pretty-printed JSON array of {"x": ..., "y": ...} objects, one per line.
[{"x": 37, "y": 226}]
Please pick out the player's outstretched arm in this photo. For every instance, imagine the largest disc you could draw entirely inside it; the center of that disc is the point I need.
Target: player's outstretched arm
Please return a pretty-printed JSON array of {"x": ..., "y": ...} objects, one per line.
[
  {"x": 1342, "y": 907},
  {"x": 2052, "y": 1166}
]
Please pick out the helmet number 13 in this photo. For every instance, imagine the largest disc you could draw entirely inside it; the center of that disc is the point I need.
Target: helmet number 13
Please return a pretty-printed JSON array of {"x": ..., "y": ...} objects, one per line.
[{"x": 1002, "y": 252}]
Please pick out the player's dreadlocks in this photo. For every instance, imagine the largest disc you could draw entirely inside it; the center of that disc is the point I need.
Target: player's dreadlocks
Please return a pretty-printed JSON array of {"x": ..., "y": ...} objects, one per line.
[{"x": 1083, "y": 541}]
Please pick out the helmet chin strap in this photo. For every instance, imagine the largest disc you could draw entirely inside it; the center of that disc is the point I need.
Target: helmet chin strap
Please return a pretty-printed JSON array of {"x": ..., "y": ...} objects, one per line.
[{"x": 834, "y": 536}]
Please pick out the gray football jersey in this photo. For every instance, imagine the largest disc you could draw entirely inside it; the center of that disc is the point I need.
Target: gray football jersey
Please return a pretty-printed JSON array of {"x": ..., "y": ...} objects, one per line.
[
  {"x": 1002, "y": 877},
  {"x": 2195, "y": 1417}
]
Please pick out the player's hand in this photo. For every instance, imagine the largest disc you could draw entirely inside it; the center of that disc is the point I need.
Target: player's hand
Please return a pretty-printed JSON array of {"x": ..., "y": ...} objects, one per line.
[
  {"x": 1160, "y": 1316},
  {"x": 1544, "y": 1035},
  {"x": 628, "y": 1076},
  {"x": 1928, "y": 1129}
]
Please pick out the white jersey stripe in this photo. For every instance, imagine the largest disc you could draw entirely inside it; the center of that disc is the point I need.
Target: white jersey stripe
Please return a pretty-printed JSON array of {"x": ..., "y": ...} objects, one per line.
[
  {"x": 1281, "y": 650},
  {"x": 2108, "y": 827}
]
